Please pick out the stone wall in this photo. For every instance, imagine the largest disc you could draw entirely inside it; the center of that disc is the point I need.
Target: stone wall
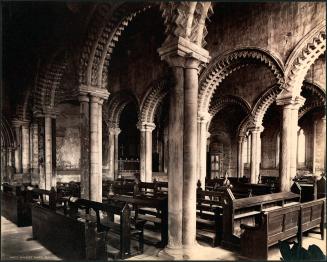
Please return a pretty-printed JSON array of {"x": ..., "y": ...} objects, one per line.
[
  {"x": 277, "y": 27},
  {"x": 68, "y": 148}
]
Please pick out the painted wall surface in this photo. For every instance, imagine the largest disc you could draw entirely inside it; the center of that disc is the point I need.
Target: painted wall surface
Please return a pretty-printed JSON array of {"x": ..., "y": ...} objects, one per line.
[{"x": 68, "y": 138}]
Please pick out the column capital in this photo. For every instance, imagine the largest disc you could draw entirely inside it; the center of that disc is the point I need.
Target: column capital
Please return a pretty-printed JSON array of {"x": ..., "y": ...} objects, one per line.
[
  {"x": 287, "y": 99},
  {"x": 203, "y": 117},
  {"x": 96, "y": 99},
  {"x": 256, "y": 129},
  {"x": 241, "y": 139},
  {"x": 114, "y": 130},
  {"x": 20, "y": 122},
  {"x": 47, "y": 111},
  {"x": 145, "y": 126},
  {"x": 93, "y": 91},
  {"x": 83, "y": 97},
  {"x": 181, "y": 52}
]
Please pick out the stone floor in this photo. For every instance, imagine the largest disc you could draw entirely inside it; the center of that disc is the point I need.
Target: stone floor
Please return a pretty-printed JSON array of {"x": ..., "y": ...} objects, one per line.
[{"x": 17, "y": 244}]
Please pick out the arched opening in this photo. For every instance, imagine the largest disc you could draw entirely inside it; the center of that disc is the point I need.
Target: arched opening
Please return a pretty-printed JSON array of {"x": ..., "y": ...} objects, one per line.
[
  {"x": 223, "y": 141},
  {"x": 128, "y": 142}
]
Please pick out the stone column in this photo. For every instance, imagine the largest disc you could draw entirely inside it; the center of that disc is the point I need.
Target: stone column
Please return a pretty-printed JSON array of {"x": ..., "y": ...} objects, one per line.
[
  {"x": 175, "y": 161},
  {"x": 10, "y": 158},
  {"x": 202, "y": 148},
  {"x": 100, "y": 149},
  {"x": 91, "y": 100},
  {"x": 25, "y": 148},
  {"x": 35, "y": 154},
  {"x": 190, "y": 149},
  {"x": 48, "y": 152},
  {"x": 184, "y": 58},
  {"x": 294, "y": 125},
  {"x": 255, "y": 153},
  {"x": 18, "y": 153},
  {"x": 314, "y": 146},
  {"x": 10, "y": 163},
  {"x": 85, "y": 142},
  {"x": 114, "y": 131},
  {"x": 94, "y": 148},
  {"x": 146, "y": 151},
  {"x": 165, "y": 150},
  {"x": 290, "y": 106},
  {"x": 240, "y": 166}
]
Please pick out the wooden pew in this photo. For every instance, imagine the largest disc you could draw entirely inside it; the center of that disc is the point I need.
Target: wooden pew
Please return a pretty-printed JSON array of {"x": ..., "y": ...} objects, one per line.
[
  {"x": 281, "y": 224},
  {"x": 14, "y": 205},
  {"x": 160, "y": 218},
  {"x": 45, "y": 198},
  {"x": 271, "y": 226},
  {"x": 270, "y": 180},
  {"x": 66, "y": 237},
  {"x": 312, "y": 216},
  {"x": 123, "y": 187},
  {"x": 309, "y": 187},
  {"x": 208, "y": 216},
  {"x": 243, "y": 211},
  {"x": 69, "y": 189},
  {"x": 154, "y": 188},
  {"x": 321, "y": 187},
  {"x": 210, "y": 211},
  {"x": 121, "y": 228}
]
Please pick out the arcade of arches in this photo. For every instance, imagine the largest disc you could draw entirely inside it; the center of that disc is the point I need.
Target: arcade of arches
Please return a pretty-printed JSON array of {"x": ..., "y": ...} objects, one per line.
[{"x": 172, "y": 91}]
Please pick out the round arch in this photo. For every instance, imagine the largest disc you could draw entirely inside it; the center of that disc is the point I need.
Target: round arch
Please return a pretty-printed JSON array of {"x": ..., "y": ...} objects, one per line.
[
  {"x": 106, "y": 25},
  {"x": 225, "y": 64},
  {"x": 116, "y": 104},
  {"x": 48, "y": 81},
  {"x": 156, "y": 92},
  {"x": 303, "y": 56},
  {"x": 222, "y": 102}
]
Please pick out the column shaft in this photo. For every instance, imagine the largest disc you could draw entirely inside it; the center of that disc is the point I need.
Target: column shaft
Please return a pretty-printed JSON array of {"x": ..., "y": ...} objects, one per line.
[
  {"x": 85, "y": 146},
  {"x": 100, "y": 152},
  {"x": 190, "y": 156},
  {"x": 294, "y": 140},
  {"x": 18, "y": 153},
  {"x": 25, "y": 149},
  {"x": 286, "y": 147},
  {"x": 116, "y": 169},
  {"x": 240, "y": 167},
  {"x": 314, "y": 147},
  {"x": 48, "y": 152},
  {"x": 175, "y": 163},
  {"x": 142, "y": 155},
  {"x": 255, "y": 156},
  {"x": 202, "y": 149},
  {"x": 146, "y": 151},
  {"x": 148, "y": 156},
  {"x": 94, "y": 149},
  {"x": 111, "y": 155},
  {"x": 35, "y": 155}
]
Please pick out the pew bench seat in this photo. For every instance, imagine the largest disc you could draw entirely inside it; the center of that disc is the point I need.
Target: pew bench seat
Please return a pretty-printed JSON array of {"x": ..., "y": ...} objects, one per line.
[
  {"x": 149, "y": 218},
  {"x": 247, "y": 214}
]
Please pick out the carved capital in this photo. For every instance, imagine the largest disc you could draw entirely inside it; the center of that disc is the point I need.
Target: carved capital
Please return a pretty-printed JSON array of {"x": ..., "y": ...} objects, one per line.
[
  {"x": 145, "y": 126},
  {"x": 114, "y": 130},
  {"x": 287, "y": 99},
  {"x": 203, "y": 117},
  {"x": 94, "y": 91},
  {"x": 181, "y": 52},
  {"x": 256, "y": 129},
  {"x": 83, "y": 97},
  {"x": 19, "y": 123}
]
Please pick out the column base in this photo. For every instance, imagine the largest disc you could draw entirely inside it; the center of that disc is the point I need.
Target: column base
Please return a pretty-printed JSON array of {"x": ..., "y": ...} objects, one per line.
[{"x": 191, "y": 252}]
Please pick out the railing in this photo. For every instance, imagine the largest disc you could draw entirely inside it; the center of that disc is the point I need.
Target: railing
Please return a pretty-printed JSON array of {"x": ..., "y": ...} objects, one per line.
[{"x": 128, "y": 165}]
